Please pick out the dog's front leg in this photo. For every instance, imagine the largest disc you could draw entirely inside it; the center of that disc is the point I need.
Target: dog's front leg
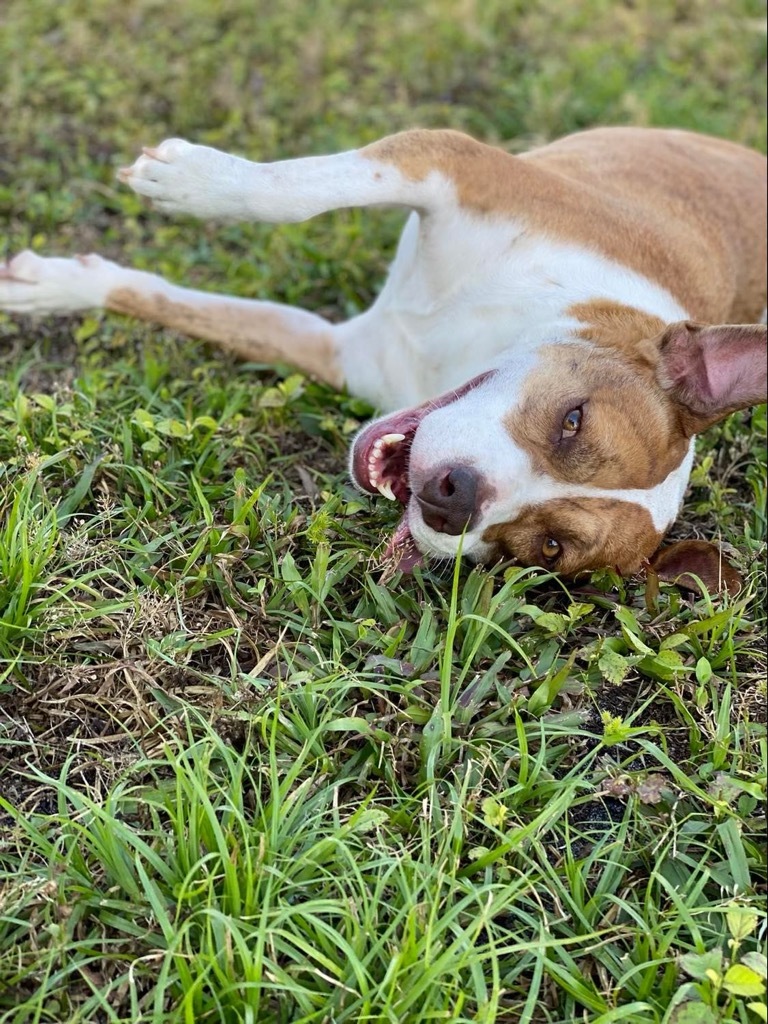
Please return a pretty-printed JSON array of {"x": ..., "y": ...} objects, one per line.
[
  {"x": 416, "y": 169},
  {"x": 254, "y": 330}
]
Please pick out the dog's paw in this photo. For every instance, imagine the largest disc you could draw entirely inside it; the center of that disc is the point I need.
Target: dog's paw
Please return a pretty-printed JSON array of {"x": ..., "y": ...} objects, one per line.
[
  {"x": 39, "y": 285},
  {"x": 179, "y": 177}
]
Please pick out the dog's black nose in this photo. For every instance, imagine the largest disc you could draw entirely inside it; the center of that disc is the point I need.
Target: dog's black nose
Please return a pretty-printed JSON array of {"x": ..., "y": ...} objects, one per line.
[{"x": 448, "y": 500}]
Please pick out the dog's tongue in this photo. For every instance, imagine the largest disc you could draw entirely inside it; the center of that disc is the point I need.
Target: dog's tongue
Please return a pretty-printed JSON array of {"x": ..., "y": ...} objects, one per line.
[{"x": 401, "y": 548}]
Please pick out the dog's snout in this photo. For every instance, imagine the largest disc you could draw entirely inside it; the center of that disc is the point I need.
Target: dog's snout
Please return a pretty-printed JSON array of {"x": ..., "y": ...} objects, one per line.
[{"x": 448, "y": 500}]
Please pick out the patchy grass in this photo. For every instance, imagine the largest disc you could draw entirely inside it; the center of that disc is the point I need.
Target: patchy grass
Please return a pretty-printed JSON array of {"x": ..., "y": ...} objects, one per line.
[{"x": 244, "y": 777}]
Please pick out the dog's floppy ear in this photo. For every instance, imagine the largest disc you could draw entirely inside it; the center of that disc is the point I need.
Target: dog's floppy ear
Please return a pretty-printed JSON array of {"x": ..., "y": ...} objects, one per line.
[
  {"x": 688, "y": 561},
  {"x": 713, "y": 371}
]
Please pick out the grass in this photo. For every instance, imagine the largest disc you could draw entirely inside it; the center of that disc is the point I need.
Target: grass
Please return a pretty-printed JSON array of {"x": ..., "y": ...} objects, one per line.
[{"x": 244, "y": 776}]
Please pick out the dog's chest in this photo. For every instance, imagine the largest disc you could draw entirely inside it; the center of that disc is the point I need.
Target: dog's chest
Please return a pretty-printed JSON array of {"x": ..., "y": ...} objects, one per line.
[{"x": 467, "y": 294}]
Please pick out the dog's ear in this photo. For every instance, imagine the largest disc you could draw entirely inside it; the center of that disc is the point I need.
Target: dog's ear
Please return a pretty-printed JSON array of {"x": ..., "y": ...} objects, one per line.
[
  {"x": 688, "y": 561},
  {"x": 713, "y": 371}
]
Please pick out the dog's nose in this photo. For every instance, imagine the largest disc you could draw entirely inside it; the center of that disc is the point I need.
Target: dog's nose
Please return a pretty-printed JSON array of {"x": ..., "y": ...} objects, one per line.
[{"x": 448, "y": 500}]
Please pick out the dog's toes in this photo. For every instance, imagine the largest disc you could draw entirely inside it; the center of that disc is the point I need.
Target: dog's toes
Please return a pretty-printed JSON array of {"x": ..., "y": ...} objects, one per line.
[
  {"x": 38, "y": 285},
  {"x": 90, "y": 259},
  {"x": 18, "y": 281},
  {"x": 159, "y": 171},
  {"x": 22, "y": 269},
  {"x": 180, "y": 177},
  {"x": 169, "y": 150}
]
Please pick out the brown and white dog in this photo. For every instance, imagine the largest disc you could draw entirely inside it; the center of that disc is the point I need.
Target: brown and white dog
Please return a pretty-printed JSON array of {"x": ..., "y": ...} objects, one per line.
[{"x": 555, "y": 328}]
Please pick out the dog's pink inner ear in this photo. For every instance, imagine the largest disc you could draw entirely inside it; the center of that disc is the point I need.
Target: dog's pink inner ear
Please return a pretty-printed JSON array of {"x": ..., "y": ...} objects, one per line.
[
  {"x": 713, "y": 371},
  {"x": 688, "y": 561}
]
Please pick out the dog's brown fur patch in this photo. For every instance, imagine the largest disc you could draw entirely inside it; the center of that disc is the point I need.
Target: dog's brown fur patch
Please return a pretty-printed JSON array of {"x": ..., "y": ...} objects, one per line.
[
  {"x": 676, "y": 207},
  {"x": 629, "y": 436},
  {"x": 252, "y": 331},
  {"x": 593, "y": 533}
]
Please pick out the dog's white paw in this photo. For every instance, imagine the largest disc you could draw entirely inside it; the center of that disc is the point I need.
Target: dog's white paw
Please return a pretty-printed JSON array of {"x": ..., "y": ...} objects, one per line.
[
  {"x": 40, "y": 285},
  {"x": 179, "y": 177}
]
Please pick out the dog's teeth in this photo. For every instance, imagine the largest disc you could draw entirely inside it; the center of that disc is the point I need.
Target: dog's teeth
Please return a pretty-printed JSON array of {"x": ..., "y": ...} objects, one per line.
[{"x": 377, "y": 458}]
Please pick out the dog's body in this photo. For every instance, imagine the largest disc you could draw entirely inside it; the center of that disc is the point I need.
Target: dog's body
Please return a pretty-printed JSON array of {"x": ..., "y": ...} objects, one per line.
[{"x": 534, "y": 328}]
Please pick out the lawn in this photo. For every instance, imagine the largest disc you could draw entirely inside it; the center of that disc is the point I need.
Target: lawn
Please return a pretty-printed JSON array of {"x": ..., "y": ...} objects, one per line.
[{"x": 247, "y": 775}]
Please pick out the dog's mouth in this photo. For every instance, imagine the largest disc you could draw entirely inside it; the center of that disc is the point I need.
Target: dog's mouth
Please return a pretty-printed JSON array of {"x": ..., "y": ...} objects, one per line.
[
  {"x": 380, "y": 464},
  {"x": 380, "y": 460}
]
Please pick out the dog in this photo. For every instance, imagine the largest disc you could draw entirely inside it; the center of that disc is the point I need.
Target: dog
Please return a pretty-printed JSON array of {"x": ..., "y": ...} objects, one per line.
[{"x": 555, "y": 329}]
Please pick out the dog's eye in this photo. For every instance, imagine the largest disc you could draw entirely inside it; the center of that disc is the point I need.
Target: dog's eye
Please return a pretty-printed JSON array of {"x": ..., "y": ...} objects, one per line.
[
  {"x": 550, "y": 549},
  {"x": 572, "y": 422}
]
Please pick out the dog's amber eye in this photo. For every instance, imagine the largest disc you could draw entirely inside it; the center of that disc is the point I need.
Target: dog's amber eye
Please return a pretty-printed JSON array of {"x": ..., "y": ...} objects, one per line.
[
  {"x": 550, "y": 549},
  {"x": 571, "y": 422}
]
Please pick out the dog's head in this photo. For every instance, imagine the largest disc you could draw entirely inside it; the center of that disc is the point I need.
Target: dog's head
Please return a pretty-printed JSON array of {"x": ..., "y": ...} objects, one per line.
[{"x": 575, "y": 458}]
